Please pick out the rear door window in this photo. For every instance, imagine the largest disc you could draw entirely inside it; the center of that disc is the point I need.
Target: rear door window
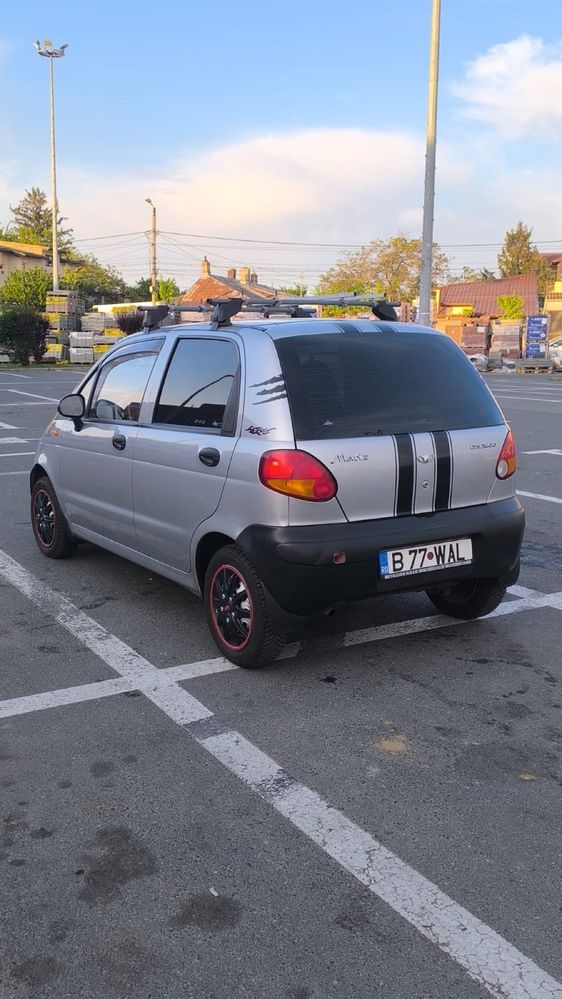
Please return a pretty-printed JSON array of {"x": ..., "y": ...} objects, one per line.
[
  {"x": 350, "y": 385},
  {"x": 200, "y": 386}
]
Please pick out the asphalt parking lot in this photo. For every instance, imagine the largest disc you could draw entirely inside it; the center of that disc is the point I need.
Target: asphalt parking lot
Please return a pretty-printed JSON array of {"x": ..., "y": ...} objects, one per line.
[{"x": 377, "y": 814}]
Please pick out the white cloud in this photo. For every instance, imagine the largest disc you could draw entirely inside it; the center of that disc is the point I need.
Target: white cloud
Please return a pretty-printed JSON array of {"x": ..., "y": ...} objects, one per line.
[
  {"x": 324, "y": 179},
  {"x": 516, "y": 87},
  {"x": 325, "y": 185}
]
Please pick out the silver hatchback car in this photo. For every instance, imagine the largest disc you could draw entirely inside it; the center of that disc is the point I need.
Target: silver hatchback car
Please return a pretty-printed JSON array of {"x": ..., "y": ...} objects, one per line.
[{"x": 276, "y": 468}]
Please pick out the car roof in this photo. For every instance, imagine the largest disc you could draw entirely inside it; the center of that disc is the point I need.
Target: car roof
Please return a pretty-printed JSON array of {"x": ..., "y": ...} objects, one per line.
[{"x": 282, "y": 328}]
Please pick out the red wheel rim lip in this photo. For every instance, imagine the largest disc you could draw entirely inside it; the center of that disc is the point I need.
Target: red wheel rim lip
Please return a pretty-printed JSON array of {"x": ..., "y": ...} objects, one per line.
[
  {"x": 216, "y": 628},
  {"x": 41, "y": 541}
]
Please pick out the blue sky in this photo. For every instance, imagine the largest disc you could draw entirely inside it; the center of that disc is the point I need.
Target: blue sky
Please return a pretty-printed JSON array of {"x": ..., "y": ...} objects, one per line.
[{"x": 298, "y": 122}]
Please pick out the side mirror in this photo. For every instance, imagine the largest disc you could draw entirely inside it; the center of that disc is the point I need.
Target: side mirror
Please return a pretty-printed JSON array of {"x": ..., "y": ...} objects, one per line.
[{"x": 72, "y": 406}]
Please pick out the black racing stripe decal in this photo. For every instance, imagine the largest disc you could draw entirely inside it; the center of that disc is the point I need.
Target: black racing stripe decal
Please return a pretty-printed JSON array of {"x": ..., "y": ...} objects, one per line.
[
  {"x": 347, "y": 327},
  {"x": 442, "y": 469},
  {"x": 405, "y": 495}
]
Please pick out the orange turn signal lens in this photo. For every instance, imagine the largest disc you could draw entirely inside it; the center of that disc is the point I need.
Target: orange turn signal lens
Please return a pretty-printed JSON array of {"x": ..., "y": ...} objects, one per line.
[{"x": 298, "y": 474}]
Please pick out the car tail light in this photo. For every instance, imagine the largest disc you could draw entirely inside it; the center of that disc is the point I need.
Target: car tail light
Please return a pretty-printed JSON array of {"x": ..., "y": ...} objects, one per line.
[
  {"x": 507, "y": 461},
  {"x": 297, "y": 473}
]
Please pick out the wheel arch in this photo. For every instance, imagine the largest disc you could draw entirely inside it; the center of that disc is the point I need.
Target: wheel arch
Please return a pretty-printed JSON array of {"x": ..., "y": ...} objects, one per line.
[
  {"x": 208, "y": 545},
  {"x": 37, "y": 472}
]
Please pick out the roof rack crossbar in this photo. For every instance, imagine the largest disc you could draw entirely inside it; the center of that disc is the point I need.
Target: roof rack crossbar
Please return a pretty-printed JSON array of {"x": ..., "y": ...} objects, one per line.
[{"x": 223, "y": 309}]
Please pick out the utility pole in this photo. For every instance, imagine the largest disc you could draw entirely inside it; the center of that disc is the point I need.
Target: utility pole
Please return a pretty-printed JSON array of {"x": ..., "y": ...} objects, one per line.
[
  {"x": 49, "y": 52},
  {"x": 424, "y": 316},
  {"x": 153, "y": 266}
]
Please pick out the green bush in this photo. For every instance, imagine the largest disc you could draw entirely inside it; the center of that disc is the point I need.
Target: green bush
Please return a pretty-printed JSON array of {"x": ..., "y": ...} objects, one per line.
[{"x": 23, "y": 333}]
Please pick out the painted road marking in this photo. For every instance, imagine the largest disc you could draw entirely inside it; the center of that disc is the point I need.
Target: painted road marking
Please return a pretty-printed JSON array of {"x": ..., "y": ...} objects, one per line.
[
  {"x": 484, "y": 954},
  {"x": 527, "y": 398},
  {"x": 552, "y": 450},
  {"x": 548, "y": 499},
  {"x": 18, "y": 440},
  {"x": 32, "y": 395},
  {"x": 527, "y": 600},
  {"x": 24, "y": 471},
  {"x": 19, "y": 405},
  {"x": 16, "y": 454},
  {"x": 12, "y": 374},
  {"x": 8, "y": 426}
]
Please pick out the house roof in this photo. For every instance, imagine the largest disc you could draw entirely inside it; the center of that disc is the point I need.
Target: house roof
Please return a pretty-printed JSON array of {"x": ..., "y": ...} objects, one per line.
[
  {"x": 217, "y": 286},
  {"x": 552, "y": 258},
  {"x": 23, "y": 249},
  {"x": 483, "y": 295}
]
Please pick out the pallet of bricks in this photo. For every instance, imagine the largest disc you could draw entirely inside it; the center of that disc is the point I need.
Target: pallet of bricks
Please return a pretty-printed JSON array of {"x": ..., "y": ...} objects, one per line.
[
  {"x": 506, "y": 339},
  {"x": 63, "y": 310},
  {"x": 99, "y": 333},
  {"x": 475, "y": 337}
]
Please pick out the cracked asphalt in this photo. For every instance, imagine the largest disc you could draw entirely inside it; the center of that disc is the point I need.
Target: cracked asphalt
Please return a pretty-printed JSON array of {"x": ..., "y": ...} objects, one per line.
[{"x": 132, "y": 862}]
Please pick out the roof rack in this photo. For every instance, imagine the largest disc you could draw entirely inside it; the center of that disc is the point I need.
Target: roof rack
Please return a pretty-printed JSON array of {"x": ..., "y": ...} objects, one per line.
[{"x": 223, "y": 309}]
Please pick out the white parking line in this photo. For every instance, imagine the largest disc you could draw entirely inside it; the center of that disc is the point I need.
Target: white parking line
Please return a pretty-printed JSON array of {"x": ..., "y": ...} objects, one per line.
[
  {"x": 33, "y": 395},
  {"x": 19, "y": 405},
  {"x": 483, "y": 953},
  {"x": 487, "y": 957},
  {"x": 8, "y": 426},
  {"x": 18, "y": 440},
  {"x": 16, "y": 454},
  {"x": 552, "y": 450},
  {"x": 12, "y": 374},
  {"x": 548, "y": 499},
  {"x": 528, "y": 398},
  {"x": 24, "y": 471}
]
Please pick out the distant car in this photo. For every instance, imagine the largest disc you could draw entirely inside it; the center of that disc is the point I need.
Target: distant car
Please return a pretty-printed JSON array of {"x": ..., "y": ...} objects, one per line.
[
  {"x": 275, "y": 468},
  {"x": 555, "y": 352}
]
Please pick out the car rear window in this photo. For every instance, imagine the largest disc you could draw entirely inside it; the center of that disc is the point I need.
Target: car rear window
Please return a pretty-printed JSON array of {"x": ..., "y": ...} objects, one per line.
[{"x": 349, "y": 385}]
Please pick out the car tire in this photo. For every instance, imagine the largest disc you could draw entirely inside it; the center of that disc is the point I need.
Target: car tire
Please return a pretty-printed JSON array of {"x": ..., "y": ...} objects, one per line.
[
  {"x": 50, "y": 529},
  {"x": 238, "y": 610},
  {"x": 469, "y": 599}
]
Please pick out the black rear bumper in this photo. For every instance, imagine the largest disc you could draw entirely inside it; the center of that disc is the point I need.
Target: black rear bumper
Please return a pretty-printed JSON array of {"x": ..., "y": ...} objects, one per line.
[{"x": 298, "y": 568}]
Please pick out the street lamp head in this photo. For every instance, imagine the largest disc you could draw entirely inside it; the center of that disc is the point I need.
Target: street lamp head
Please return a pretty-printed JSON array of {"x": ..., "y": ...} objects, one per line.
[
  {"x": 48, "y": 50},
  {"x": 149, "y": 201}
]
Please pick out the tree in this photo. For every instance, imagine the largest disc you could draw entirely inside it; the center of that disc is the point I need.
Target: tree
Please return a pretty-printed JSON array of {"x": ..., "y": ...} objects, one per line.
[
  {"x": 470, "y": 274},
  {"x": 294, "y": 291},
  {"x": 30, "y": 288},
  {"x": 391, "y": 267},
  {"x": 511, "y": 306},
  {"x": 167, "y": 289},
  {"x": 520, "y": 256},
  {"x": 93, "y": 281},
  {"x": 139, "y": 292},
  {"x": 33, "y": 221},
  {"x": 23, "y": 332}
]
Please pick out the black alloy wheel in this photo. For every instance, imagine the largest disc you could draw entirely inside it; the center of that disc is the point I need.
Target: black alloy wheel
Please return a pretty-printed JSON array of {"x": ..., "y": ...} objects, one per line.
[
  {"x": 239, "y": 610},
  {"x": 231, "y": 609},
  {"x": 44, "y": 518},
  {"x": 50, "y": 528}
]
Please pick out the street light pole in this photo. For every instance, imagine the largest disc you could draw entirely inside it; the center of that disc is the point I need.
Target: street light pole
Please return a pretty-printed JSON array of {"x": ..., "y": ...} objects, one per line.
[
  {"x": 429, "y": 189},
  {"x": 49, "y": 52},
  {"x": 153, "y": 266}
]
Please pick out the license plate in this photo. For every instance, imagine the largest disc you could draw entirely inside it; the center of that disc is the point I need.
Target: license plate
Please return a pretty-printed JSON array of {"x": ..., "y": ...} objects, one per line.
[{"x": 425, "y": 558}]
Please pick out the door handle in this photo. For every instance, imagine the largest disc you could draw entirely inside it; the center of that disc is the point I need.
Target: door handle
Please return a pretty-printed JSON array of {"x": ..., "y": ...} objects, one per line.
[
  {"x": 209, "y": 456},
  {"x": 119, "y": 442}
]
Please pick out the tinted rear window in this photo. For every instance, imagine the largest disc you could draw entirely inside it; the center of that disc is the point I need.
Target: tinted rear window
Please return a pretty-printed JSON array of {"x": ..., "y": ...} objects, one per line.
[{"x": 348, "y": 385}]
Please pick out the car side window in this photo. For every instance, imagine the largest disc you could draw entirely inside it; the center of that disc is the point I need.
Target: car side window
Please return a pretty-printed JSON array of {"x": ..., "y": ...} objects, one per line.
[
  {"x": 120, "y": 388},
  {"x": 201, "y": 379}
]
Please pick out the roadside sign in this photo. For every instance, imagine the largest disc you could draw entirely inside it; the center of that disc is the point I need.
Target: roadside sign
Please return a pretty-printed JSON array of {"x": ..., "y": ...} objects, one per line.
[{"x": 536, "y": 336}]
